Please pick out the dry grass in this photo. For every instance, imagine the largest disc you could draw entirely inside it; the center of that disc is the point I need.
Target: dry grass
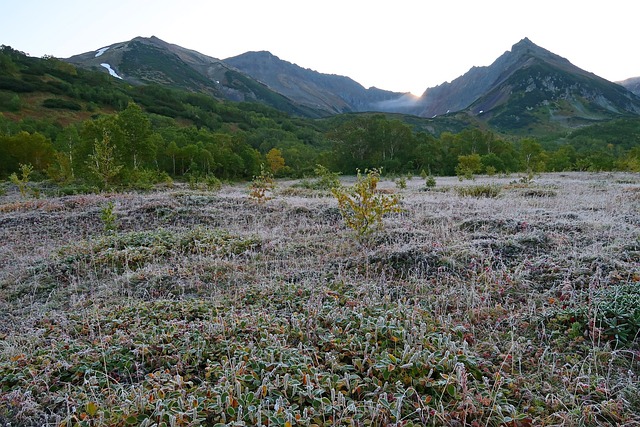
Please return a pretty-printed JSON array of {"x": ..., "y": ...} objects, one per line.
[{"x": 515, "y": 310}]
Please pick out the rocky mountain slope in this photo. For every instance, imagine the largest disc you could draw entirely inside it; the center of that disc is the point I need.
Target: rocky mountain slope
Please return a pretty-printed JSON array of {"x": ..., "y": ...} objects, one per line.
[
  {"x": 526, "y": 89},
  {"x": 154, "y": 61},
  {"x": 632, "y": 84},
  {"x": 530, "y": 85},
  {"x": 329, "y": 92}
]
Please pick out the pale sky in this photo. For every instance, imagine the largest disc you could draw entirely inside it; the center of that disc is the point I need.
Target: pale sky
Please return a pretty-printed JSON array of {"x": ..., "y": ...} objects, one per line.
[{"x": 398, "y": 45}]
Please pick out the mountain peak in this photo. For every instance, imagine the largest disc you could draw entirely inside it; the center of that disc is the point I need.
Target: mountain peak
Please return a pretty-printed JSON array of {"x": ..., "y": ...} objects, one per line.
[
  {"x": 524, "y": 43},
  {"x": 526, "y": 49},
  {"x": 526, "y": 46}
]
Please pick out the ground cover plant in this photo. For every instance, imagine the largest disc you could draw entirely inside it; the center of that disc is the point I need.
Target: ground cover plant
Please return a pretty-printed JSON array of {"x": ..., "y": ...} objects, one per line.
[{"x": 188, "y": 307}]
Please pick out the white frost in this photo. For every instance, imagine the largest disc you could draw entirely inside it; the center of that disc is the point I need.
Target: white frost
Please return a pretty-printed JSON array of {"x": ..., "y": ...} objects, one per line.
[
  {"x": 101, "y": 51},
  {"x": 113, "y": 73}
]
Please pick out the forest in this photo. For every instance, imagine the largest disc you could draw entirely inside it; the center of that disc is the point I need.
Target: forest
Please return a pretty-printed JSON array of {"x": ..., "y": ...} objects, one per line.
[{"x": 73, "y": 127}]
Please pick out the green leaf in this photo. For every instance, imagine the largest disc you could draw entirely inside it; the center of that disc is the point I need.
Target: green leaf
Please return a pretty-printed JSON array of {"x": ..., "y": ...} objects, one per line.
[
  {"x": 451, "y": 390},
  {"x": 91, "y": 409}
]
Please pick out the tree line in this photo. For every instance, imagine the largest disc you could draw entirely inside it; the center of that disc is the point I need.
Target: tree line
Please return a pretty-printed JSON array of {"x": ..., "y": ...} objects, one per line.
[{"x": 147, "y": 145}]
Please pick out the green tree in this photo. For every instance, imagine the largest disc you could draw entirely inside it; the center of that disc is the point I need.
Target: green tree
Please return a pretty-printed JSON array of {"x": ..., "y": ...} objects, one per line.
[
  {"x": 468, "y": 165},
  {"x": 532, "y": 155},
  {"x": 562, "y": 159},
  {"x": 65, "y": 145},
  {"x": 427, "y": 153},
  {"x": 138, "y": 148},
  {"x": 102, "y": 163},
  {"x": 275, "y": 161},
  {"x": 491, "y": 161},
  {"x": 25, "y": 148},
  {"x": 90, "y": 132}
]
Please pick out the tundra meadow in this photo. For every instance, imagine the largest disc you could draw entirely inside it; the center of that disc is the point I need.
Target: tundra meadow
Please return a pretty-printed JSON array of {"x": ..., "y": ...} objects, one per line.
[{"x": 497, "y": 301}]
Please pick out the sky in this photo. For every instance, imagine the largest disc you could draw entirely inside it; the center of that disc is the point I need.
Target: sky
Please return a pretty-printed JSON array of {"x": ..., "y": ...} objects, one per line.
[{"x": 398, "y": 45}]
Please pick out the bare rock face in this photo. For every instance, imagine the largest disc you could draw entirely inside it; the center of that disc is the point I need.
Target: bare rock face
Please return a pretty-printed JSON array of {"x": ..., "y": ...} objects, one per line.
[
  {"x": 330, "y": 92},
  {"x": 632, "y": 84}
]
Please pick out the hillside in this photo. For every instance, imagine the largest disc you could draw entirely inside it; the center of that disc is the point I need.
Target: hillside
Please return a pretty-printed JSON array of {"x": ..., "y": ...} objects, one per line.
[
  {"x": 153, "y": 61},
  {"x": 527, "y": 90},
  {"x": 632, "y": 84},
  {"x": 332, "y": 93},
  {"x": 530, "y": 89}
]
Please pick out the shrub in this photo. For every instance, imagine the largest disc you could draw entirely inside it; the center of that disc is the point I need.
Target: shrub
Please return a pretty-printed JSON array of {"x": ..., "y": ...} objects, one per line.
[
  {"x": 108, "y": 218},
  {"x": 23, "y": 182},
  {"x": 325, "y": 180},
  {"x": 430, "y": 181},
  {"x": 484, "y": 190},
  {"x": 261, "y": 186},
  {"x": 145, "y": 179},
  {"x": 213, "y": 183},
  {"x": 468, "y": 165},
  {"x": 362, "y": 207},
  {"x": 10, "y": 102}
]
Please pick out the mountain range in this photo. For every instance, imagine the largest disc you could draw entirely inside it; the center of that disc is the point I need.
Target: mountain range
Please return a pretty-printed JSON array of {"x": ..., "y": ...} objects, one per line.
[{"x": 525, "y": 89}]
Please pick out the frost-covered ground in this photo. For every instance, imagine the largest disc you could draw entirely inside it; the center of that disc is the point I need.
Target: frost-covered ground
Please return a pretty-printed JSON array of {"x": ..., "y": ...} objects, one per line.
[{"x": 205, "y": 307}]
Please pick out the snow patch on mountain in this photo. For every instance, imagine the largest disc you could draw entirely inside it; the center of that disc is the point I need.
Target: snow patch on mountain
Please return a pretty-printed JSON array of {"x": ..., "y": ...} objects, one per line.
[
  {"x": 111, "y": 71},
  {"x": 101, "y": 51}
]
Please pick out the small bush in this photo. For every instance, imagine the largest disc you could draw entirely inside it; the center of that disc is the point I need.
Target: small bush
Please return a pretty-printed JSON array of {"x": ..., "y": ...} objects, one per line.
[
  {"x": 430, "y": 181},
  {"x": 145, "y": 179},
  {"x": 213, "y": 183},
  {"x": 362, "y": 206},
  {"x": 108, "y": 218},
  {"x": 23, "y": 182},
  {"x": 261, "y": 186},
  {"x": 325, "y": 180},
  {"x": 479, "y": 191}
]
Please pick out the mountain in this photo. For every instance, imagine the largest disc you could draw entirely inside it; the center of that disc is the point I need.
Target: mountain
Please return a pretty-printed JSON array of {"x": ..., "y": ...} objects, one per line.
[
  {"x": 328, "y": 92},
  {"x": 530, "y": 87},
  {"x": 154, "y": 61},
  {"x": 632, "y": 84},
  {"x": 526, "y": 90}
]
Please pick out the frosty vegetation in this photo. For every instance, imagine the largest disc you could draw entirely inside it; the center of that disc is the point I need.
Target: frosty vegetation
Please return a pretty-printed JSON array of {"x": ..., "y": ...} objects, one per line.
[{"x": 182, "y": 306}]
